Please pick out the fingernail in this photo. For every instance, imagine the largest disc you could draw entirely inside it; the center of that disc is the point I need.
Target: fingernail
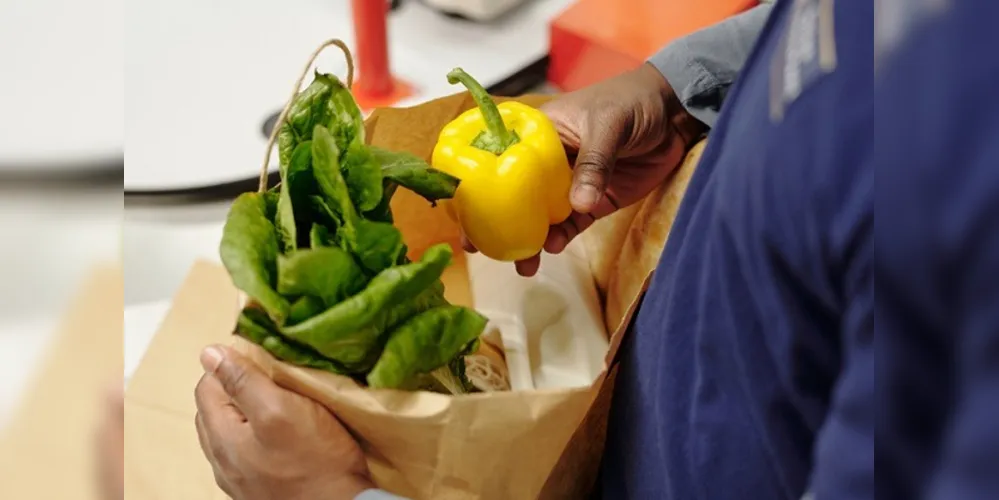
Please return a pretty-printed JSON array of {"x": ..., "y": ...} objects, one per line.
[
  {"x": 585, "y": 196},
  {"x": 211, "y": 358}
]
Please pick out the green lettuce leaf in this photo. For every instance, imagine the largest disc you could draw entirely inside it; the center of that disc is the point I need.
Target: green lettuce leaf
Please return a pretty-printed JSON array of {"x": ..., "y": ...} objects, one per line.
[
  {"x": 378, "y": 245},
  {"x": 332, "y": 186},
  {"x": 383, "y": 212},
  {"x": 255, "y": 326},
  {"x": 304, "y": 308},
  {"x": 249, "y": 251},
  {"x": 328, "y": 103},
  {"x": 320, "y": 236},
  {"x": 424, "y": 343},
  {"x": 325, "y": 216},
  {"x": 411, "y": 172},
  {"x": 308, "y": 109},
  {"x": 328, "y": 273},
  {"x": 348, "y": 332},
  {"x": 363, "y": 176},
  {"x": 326, "y": 269},
  {"x": 375, "y": 245},
  {"x": 343, "y": 116},
  {"x": 297, "y": 185}
]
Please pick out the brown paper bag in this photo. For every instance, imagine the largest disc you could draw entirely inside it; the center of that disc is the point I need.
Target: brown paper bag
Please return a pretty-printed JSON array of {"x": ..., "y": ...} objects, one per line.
[
  {"x": 496, "y": 445},
  {"x": 630, "y": 241},
  {"x": 512, "y": 445}
]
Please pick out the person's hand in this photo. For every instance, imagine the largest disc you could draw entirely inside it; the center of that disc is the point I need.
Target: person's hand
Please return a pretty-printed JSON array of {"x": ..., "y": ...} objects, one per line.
[
  {"x": 265, "y": 442},
  {"x": 111, "y": 445},
  {"x": 625, "y": 136}
]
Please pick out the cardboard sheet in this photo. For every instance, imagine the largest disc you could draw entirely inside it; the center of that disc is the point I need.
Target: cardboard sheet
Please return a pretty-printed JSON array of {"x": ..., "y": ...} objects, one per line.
[
  {"x": 163, "y": 459},
  {"x": 48, "y": 449}
]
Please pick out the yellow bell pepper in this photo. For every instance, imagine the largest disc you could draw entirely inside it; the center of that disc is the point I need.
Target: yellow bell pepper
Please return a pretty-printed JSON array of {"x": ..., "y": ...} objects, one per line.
[{"x": 514, "y": 174}]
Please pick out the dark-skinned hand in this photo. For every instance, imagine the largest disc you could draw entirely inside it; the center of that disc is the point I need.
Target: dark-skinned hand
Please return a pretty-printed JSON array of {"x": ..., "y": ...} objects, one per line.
[
  {"x": 266, "y": 442},
  {"x": 624, "y": 137}
]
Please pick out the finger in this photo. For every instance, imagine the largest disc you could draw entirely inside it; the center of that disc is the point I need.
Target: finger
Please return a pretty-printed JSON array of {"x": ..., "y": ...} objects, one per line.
[
  {"x": 251, "y": 391},
  {"x": 595, "y": 163},
  {"x": 203, "y": 440},
  {"x": 607, "y": 205},
  {"x": 467, "y": 245},
  {"x": 565, "y": 117},
  {"x": 219, "y": 429},
  {"x": 560, "y": 235},
  {"x": 219, "y": 422},
  {"x": 575, "y": 224},
  {"x": 528, "y": 267},
  {"x": 557, "y": 240},
  {"x": 214, "y": 403},
  {"x": 210, "y": 454}
]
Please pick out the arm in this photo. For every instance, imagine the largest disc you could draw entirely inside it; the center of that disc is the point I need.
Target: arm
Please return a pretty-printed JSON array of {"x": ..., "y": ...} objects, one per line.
[{"x": 703, "y": 65}]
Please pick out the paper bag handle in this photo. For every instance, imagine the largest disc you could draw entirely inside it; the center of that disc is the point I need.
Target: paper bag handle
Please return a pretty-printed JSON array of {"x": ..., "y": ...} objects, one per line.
[
  {"x": 298, "y": 85},
  {"x": 264, "y": 168}
]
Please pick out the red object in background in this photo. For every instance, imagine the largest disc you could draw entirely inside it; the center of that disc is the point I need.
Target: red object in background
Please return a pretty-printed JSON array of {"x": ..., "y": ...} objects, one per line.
[
  {"x": 374, "y": 86},
  {"x": 596, "y": 39}
]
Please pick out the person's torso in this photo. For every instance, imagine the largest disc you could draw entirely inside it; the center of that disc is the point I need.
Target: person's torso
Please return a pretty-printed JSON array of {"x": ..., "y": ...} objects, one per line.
[{"x": 727, "y": 372}]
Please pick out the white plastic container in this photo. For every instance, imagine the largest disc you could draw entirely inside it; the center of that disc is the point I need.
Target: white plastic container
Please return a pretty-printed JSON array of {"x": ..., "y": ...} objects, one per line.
[{"x": 551, "y": 324}]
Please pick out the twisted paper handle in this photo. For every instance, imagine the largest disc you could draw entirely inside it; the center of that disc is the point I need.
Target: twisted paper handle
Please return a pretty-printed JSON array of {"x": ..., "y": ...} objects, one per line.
[{"x": 298, "y": 85}]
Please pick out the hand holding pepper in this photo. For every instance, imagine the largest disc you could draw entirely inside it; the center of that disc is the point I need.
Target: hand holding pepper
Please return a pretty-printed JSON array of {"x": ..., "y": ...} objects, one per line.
[{"x": 624, "y": 136}]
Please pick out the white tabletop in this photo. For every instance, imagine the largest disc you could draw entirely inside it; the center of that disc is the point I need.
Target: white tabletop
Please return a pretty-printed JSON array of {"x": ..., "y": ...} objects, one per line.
[
  {"x": 203, "y": 76},
  {"x": 60, "y": 58}
]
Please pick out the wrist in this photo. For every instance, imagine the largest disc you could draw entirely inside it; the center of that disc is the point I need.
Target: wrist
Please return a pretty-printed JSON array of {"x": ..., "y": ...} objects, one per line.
[
  {"x": 652, "y": 79},
  {"x": 685, "y": 127}
]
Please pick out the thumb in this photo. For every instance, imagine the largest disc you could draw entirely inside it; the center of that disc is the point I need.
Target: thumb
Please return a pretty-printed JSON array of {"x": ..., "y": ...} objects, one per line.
[
  {"x": 249, "y": 388},
  {"x": 595, "y": 164}
]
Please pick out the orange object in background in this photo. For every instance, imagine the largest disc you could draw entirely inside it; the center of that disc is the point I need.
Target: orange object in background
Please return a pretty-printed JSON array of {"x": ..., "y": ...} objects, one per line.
[
  {"x": 596, "y": 39},
  {"x": 375, "y": 86}
]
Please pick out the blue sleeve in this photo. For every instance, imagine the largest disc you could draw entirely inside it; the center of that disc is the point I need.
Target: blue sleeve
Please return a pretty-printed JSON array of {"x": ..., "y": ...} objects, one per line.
[
  {"x": 703, "y": 65},
  {"x": 377, "y": 495}
]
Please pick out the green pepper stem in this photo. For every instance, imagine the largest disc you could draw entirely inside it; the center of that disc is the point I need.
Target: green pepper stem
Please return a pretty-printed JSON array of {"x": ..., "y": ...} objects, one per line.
[{"x": 490, "y": 113}]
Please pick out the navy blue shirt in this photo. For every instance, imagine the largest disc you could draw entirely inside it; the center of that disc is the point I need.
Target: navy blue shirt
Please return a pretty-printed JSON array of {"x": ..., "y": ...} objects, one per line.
[
  {"x": 937, "y": 264},
  {"x": 750, "y": 363}
]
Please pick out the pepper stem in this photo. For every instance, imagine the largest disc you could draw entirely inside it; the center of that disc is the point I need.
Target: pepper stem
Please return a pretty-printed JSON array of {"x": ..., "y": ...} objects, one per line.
[{"x": 499, "y": 138}]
